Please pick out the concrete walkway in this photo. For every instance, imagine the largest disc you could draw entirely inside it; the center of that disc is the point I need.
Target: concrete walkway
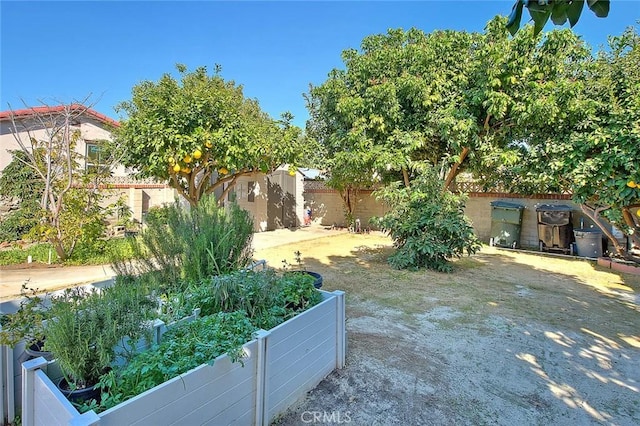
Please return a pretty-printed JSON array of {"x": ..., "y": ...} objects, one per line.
[{"x": 54, "y": 277}]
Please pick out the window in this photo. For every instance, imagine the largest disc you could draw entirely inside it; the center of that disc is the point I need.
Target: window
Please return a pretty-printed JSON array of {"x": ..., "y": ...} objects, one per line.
[
  {"x": 94, "y": 158},
  {"x": 251, "y": 192}
]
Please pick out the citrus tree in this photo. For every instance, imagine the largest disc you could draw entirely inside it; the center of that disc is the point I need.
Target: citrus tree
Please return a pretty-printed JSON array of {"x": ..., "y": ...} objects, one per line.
[
  {"x": 598, "y": 162},
  {"x": 200, "y": 133}
]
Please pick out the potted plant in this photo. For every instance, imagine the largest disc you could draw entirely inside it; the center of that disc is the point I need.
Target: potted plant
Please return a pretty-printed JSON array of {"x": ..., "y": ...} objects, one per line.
[
  {"x": 301, "y": 269},
  {"x": 86, "y": 331},
  {"x": 27, "y": 324}
]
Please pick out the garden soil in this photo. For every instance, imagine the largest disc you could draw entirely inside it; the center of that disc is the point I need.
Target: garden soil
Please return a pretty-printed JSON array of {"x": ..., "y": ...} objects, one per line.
[{"x": 508, "y": 338}]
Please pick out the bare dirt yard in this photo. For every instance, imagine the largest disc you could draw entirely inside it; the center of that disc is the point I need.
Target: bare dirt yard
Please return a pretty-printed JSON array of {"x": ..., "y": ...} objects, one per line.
[{"x": 509, "y": 338}]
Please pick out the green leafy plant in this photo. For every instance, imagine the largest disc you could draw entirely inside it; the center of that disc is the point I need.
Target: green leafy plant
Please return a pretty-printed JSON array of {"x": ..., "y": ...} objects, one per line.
[
  {"x": 181, "y": 246},
  {"x": 87, "y": 329},
  {"x": 27, "y": 322},
  {"x": 298, "y": 291},
  {"x": 427, "y": 225},
  {"x": 183, "y": 348}
]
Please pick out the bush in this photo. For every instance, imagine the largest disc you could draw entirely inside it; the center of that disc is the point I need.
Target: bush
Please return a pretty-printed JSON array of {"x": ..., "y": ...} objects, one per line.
[
  {"x": 427, "y": 225},
  {"x": 18, "y": 223},
  {"x": 96, "y": 255},
  {"x": 188, "y": 245}
]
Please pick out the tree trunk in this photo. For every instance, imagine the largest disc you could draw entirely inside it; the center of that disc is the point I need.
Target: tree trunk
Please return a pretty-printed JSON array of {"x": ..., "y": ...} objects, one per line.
[
  {"x": 631, "y": 222},
  {"x": 594, "y": 215},
  {"x": 454, "y": 170}
]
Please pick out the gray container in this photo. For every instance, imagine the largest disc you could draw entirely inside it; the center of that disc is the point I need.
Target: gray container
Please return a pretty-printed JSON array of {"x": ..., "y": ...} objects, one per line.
[{"x": 588, "y": 242}]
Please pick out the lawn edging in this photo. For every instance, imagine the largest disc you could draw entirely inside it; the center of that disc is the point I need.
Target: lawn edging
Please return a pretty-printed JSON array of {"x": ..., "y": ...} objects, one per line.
[{"x": 625, "y": 267}]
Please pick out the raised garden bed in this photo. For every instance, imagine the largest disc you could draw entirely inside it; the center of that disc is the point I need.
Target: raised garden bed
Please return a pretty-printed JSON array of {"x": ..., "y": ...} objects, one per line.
[{"x": 280, "y": 365}]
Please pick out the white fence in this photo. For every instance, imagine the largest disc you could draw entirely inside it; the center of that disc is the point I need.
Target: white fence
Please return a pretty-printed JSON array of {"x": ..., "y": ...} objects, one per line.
[{"x": 280, "y": 366}]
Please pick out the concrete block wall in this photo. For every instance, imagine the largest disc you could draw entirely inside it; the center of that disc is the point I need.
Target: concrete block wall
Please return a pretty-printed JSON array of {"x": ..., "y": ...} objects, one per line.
[
  {"x": 328, "y": 210},
  {"x": 478, "y": 210}
]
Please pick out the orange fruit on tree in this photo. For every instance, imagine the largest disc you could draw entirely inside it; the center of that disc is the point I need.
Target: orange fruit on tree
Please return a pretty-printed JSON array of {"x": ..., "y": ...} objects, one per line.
[
  {"x": 176, "y": 168},
  {"x": 197, "y": 154},
  {"x": 171, "y": 160},
  {"x": 208, "y": 144},
  {"x": 223, "y": 171},
  {"x": 186, "y": 170},
  {"x": 187, "y": 159},
  {"x": 632, "y": 184}
]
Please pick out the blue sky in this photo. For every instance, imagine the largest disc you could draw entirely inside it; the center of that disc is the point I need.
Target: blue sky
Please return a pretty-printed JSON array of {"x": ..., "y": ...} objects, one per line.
[{"x": 67, "y": 50}]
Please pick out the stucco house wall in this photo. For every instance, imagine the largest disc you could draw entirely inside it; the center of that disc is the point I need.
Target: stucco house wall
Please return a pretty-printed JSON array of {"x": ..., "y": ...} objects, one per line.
[{"x": 93, "y": 127}]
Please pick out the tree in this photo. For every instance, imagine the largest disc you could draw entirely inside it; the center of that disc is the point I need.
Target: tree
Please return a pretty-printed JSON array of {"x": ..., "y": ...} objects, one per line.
[
  {"x": 452, "y": 100},
  {"x": 598, "y": 161},
  {"x": 201, "y": 134},
  {"x": 560, "y": 11},
  {"x": 69, "y": 210}
]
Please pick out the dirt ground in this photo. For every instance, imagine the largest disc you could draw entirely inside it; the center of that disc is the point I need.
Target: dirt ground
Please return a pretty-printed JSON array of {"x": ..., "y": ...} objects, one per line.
[{"x": 508, "y": 339}]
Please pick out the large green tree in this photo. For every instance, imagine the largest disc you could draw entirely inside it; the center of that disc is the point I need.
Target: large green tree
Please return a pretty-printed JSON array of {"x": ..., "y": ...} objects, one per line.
[
  {"x": 598, "y": 161},
  {"x": 450, "y": 99},
  {"x": 200, "y": 133}
]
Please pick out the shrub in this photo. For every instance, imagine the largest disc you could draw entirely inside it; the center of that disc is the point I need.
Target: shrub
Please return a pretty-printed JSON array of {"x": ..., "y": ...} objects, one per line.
[
  {"x": 427, "y": 224},
  {"x": 183, "y": 348},
  {"x": 188, "y": 245},
  {"x": 18, "y": 223}
]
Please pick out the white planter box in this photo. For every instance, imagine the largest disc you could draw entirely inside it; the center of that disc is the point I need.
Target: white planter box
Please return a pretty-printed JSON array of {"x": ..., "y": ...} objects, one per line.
[
  {"x": 11, "y": 360},
  {"x": 280, "y": 366}
]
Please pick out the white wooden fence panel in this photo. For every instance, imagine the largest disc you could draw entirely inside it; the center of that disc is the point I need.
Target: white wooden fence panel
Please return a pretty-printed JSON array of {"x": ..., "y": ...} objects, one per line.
[
  {"x": 290, "y": 382},
  {"x": 221, "y": 382}
]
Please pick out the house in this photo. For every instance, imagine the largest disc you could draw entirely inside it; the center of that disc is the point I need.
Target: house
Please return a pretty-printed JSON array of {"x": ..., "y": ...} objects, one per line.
[{"x": 274, "y": 200}]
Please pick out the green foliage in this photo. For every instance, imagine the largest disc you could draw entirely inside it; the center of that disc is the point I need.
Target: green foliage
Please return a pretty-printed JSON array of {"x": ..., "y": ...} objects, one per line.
[
  {"x": 183, "y": 348},
  {"x": 87, "y": 329},
  {"x": 298, "y": 291},
  {"x": 26, "y": 323},
  {"x": 267, "y": 298},
  {"x": 201, "y": 132},
  {"x": 560, "y": 11},
  {"x": 453, "y": 100},
  {"x": 427, "y": 225},
  {"x": 19, "y": 223},
  {"x": 181, "y": 245},
  {"x": 95, "y": 254},
  {"x": 596, "y": 157},
  {"x": 20, "y": 181}
]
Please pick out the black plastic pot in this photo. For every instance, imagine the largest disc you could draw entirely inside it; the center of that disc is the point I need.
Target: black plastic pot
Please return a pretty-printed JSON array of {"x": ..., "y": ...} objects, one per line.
[
  {"x": 78, "y": 395},
  {"x": 35, "y": 350},
  {"x": 317, "y": 283}
]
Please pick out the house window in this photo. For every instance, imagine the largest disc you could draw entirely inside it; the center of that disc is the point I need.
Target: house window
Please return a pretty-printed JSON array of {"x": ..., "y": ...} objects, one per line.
[
  {"x": 251, "y": 194},
  {"x": 94, "y": 158}
]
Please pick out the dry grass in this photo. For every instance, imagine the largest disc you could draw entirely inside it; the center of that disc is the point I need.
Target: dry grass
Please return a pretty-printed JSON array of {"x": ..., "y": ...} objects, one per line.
[{"x": 547, "y": 288}]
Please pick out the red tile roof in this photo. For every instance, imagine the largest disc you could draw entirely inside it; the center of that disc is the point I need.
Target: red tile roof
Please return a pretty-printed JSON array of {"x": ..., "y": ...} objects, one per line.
[{"x": 6, "y": 115}]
